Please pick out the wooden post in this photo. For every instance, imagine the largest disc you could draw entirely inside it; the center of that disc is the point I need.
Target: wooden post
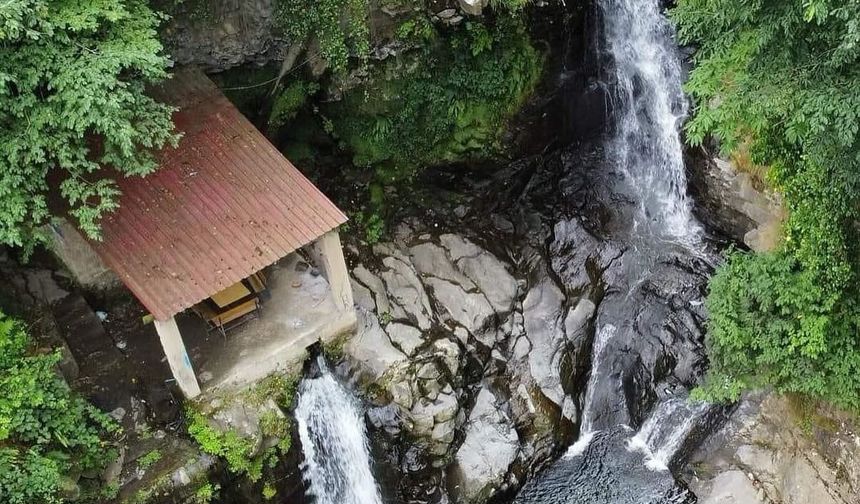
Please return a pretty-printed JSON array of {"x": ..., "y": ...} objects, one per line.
[
  {"x": 328, "y": 255},
  {"x": 177, "y": 357}
]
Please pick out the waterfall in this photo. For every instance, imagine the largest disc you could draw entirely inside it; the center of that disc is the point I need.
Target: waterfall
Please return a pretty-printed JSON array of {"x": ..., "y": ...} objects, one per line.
[
  {"x": 586, "y": 429},
  {"x": 666, "y": 429},
  {"x": 649, "y": 109},
  {"x": 334, "y": 442},
  {"x": 646, "y": 148}
]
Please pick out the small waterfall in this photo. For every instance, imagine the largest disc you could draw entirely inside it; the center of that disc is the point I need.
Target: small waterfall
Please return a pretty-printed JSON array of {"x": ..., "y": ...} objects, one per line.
[
  {"x": 334, "y": 442},
  {"x": 666, "y": 429},
  {"x": 650, "y": 107},
  {"x": 586, "y": 429}
]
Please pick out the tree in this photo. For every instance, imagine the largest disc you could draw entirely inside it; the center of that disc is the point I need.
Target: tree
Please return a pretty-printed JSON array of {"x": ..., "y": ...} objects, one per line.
[
  {"x": 72, "y": 103},
  {"x": 784, "y": 78}
]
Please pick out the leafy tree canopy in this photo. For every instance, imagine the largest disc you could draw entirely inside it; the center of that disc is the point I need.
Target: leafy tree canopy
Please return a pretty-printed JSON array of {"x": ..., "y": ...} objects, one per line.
[
  {"x": 72, "y": 78},
  {"x": 784, "y": 78}
]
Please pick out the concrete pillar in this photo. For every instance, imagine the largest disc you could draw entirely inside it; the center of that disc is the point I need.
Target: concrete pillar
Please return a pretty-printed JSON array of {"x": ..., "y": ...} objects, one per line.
[
  {"x": 328, "y": 255},
  {"x": 177, "y": 357}
]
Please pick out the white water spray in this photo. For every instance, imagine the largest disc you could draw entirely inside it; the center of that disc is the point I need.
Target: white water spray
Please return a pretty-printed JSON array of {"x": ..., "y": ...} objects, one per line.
[
  {"x": 661, "y": 436},
  {"x": 650, "y": 108},
  {"x": 586, "y": 429},
  {"x": 334, "y": 442}
]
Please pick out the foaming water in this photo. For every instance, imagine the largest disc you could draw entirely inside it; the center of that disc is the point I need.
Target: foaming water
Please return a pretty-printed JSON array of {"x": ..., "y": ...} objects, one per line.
[
  {"x": 336, "y": 463},
  {"x": 662, "y": 435},
  {"x": 586, "y": 430},
  {"x": 649, "y": 109}
]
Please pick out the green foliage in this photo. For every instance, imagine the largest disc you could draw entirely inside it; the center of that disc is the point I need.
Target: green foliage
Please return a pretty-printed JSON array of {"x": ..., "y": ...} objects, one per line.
[
  {"x": 149, "y": 459},
  {"x": 72, "y": 78},
  {"x": 236, "y": 450},
  {"x": 445, "y": 103},
  {"x": 239, "y": 451},
  {"x": 784, "y": 77},
  {"x": 269, "y": 491},
  {"x": 206, "y": 493},
  {"x": 46, "y": 432},
  {"x": 509, "y": 5},
  {"x": 290, "y": 101},
  {"x": 340, "y": 27}
]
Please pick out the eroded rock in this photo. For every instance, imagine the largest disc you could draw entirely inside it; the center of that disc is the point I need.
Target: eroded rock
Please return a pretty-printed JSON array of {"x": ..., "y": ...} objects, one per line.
[{"x": 489, "y": 448}]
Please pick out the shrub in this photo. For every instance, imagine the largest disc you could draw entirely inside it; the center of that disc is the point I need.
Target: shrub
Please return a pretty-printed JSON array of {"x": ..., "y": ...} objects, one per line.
[{"x": 47, "y": 433}]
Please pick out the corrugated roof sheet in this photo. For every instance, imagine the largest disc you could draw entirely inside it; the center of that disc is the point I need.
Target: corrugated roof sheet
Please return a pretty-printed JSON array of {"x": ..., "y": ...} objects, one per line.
[{"x": 224, "y": 205}]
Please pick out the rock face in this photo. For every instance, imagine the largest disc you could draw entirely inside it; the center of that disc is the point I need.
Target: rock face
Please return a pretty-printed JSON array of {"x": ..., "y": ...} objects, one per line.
[
  {"x": 430, "y": 298},
  {"x": 732, "y": 202},
  {"x": 220, "y": 35},
  {"x": 770, "y": 452},
  {"x": 490, "y": 446}
]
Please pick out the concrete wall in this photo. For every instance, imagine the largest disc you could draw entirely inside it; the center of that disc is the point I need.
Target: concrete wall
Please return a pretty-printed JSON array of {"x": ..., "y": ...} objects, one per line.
[{"x": 79, "y": 257}]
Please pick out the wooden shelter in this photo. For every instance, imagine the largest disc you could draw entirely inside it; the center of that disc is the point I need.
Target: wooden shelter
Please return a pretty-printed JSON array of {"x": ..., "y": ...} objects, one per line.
[{"x": 224, "y": 205}]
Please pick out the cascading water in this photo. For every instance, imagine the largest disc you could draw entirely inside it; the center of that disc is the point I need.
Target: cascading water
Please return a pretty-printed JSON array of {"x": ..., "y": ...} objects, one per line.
[
  {"x": 649, "y": 109},
  {"x": 586, "y": 430},
  {"x": 610, "y": 463},
  {"x": 662, "y": 434},
  {"x": 334, "y": 442}
]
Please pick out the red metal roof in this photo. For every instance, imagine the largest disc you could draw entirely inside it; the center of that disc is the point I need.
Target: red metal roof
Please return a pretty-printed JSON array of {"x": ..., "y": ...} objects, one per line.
[{"x": 224, "y": 205}]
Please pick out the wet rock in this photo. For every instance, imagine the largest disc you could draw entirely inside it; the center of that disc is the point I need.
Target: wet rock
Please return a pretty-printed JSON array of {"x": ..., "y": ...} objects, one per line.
[
  {"x": 484, "y": 269},
  {"x": 374, "y": 283},
  {"x": 226, "y": 35},
  {"x": 489, "y": 448},
  {"x": 790, "y": 460},
  {"x": 732, "y": 487},
  {"x": 362, "y": 296},
  {"x": 401, "y": 394},
  {"x": 449, "y": 352},
  {"x": 432, "y": 260},
  {"x": 577, "y": 320}
]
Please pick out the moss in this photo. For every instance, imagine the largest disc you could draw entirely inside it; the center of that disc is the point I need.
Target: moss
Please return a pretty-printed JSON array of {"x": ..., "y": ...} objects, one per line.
[
  {"x": 807, "y": 414},
  {"x": 290, "y": 101},
  {"x": 269, "y": 491},
  {"x": 205, "y": 493},
  {"x": 447, "y": 102},
  {"x": 334, "y": 349}
]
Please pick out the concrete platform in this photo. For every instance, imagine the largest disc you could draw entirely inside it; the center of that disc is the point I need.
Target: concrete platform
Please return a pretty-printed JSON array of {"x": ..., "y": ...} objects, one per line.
[{"x": 300, "y": 311}]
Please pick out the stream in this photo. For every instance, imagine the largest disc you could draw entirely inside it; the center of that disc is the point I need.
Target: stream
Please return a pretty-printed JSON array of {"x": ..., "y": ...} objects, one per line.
[{"x": 609, "y": 221}]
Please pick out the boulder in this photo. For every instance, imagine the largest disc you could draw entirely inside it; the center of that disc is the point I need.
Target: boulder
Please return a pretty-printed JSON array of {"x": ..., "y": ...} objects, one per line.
[
  {"x": 371, "y": 348},
  {"x": 490, "y": 446},
  {"x": 406, "y": 337},
  {"x": 484, "y": 269},
  {"x": 407, "y": 292},
  {"x": 470, "y": 310},
  {"x": 473, "y": 7},
  {"x": 731, "y": 487},
  {"x": 542, "y": 310},
  {"x": 432, "y": 260}
]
